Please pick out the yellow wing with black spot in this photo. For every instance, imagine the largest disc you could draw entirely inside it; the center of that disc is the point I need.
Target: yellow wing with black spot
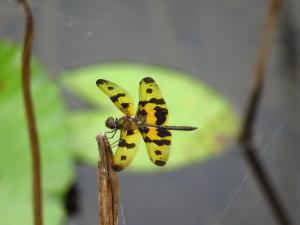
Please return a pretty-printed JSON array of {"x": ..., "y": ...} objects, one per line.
[
  {"x": 152, "y": 110},
  {"x": 120, "y": 97},
  {"x": 127, "y": 149},
  {"x": 158, "y": 143},
  {"x": 152, "y": 107}
]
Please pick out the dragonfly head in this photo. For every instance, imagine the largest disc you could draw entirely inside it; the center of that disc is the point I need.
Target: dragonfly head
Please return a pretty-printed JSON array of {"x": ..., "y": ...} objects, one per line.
[{"x": 111, "y": 123}]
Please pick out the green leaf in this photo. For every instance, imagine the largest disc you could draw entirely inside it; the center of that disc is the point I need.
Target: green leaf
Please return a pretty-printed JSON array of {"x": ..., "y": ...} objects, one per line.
[
  {"x": 15, "y": 159},
  {"x": 190, "y": 102}
]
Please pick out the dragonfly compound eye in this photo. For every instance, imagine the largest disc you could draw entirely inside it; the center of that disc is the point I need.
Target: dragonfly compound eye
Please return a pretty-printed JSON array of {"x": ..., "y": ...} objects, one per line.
[{"x": 110, "y": 123}]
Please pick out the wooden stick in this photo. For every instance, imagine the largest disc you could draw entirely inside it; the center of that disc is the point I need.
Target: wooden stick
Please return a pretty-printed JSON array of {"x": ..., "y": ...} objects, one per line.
[
  {"x": 246, "y": 136},
  {"x": 108, "y": 184},
  {"x": 30, "y": 116}
]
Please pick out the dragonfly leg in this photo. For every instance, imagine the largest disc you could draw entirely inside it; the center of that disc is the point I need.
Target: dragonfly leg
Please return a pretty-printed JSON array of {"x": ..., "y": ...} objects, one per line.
[
  {"x": 115, "y": 144},
  {"x": 113, "y": 133}
]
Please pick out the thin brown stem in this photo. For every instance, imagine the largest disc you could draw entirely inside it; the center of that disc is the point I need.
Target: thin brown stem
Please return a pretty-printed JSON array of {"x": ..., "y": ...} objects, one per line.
[
  {"x": 246, "y": 136},
  {"x": 108, "y": 184},
  {"x": 260, "y": 69},
  {"x": 30, "y": 117}
]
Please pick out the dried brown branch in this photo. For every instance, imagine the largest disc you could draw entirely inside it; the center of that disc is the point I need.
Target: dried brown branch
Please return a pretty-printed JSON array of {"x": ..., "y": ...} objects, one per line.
[
  {"x": 246, "y": 136},
  {"x": 108, "y": 183},
  {"x": 260, "y": 69},
  {"x": 26, "y": 71}
]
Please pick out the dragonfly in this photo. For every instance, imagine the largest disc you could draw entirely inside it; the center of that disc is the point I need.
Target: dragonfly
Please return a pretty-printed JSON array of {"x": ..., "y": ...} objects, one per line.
[{"x": 150, "y": 121}]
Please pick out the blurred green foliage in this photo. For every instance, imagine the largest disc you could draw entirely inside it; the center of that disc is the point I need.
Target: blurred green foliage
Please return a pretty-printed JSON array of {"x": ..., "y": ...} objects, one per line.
[
  {"x": 190, "y": 102},
  {"x": 15, "y": 161}
]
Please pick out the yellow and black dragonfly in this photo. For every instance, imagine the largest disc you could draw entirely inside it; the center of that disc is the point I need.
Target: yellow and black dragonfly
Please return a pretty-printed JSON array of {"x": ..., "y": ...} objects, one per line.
[{"x": 150, "y": 120}]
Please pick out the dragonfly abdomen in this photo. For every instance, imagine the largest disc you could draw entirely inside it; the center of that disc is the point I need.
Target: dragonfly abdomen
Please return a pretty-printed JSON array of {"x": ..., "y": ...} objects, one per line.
[{"x": 183, "y": 128}]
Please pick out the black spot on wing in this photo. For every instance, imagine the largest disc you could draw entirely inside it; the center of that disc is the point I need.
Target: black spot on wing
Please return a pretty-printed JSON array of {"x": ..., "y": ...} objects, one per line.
[
  {"x": 123, "y": 157},
  {"x": 123, "y": 143},
  {"x": 157, "y": 152},
  {"x": 161, "y": 115},
  {"x": 149, "y": 90},
  {"x": 163, "y": 132},
  {"x": 148, "y": 80},
  {"x": 158, "y": 142},
  {"x": 117, "y": 168},
  {"x": 142, "y": 113},
  {"x": 144, "y": 130},
  {"x": 125, "y": 105},
  {"x": 130, "y": 132},
  {"x": 157, "y": 101},
  {"x": 159, "y": 162},
  {"x": 162, "y": 142},
  {"x": 147, "y": 139},
  {"x": 101, "y": 81},
  {"x": 116, "y": 97},
  {"x": 110, "y": 88}
]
